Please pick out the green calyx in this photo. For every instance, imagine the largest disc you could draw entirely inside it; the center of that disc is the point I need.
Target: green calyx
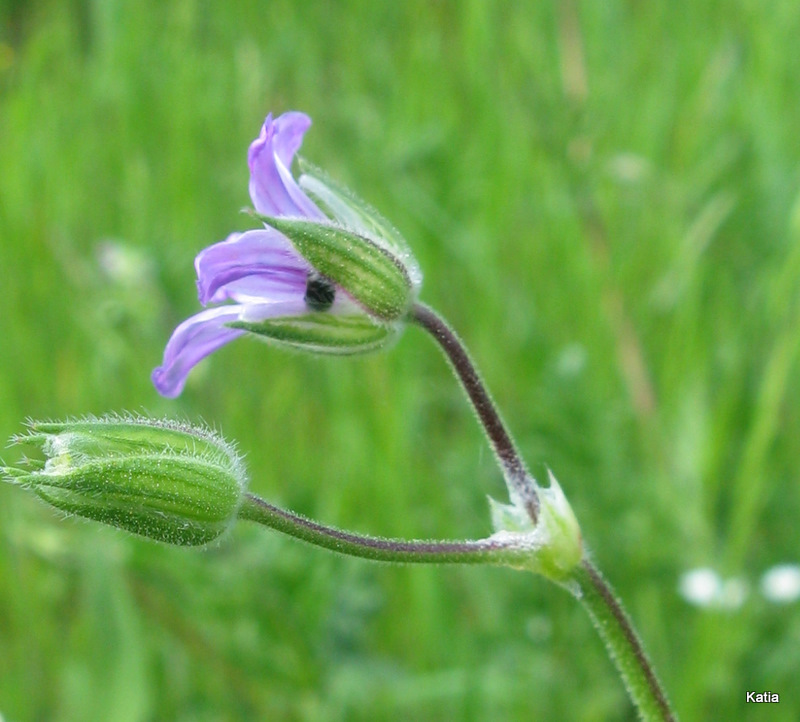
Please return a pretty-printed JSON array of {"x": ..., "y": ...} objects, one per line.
[
  {"x": 370, "y": 273},
  {"x": 162, "y": 480},
  {"x": 345, "y": 208}
]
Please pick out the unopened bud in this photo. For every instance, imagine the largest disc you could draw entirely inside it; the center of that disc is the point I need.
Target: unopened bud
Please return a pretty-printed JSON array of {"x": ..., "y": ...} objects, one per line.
[{"x": 160, "y": 479}]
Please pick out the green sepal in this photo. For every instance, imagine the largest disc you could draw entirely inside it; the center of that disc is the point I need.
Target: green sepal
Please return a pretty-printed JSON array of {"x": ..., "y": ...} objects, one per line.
[
  {"x": 320, "y": 332},
  {"x": 117, "y": 434},
  {"x": 176, "y": 500},
  {"x": 346, "y": 208},
  {"x": 371, "y": 274}
]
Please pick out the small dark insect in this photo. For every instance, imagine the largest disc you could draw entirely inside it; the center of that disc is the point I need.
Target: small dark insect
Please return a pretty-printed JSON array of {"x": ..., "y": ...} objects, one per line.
[{"x": 320, "y": 292}]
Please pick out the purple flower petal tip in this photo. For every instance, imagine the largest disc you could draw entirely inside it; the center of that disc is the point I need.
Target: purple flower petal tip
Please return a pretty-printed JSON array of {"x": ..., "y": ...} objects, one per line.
[
  {"x": 190, "y": 343},
  {"x": 166, "y": 386},
  {"x": 282, "y": 136},
  {"x": 273, "y": 190}
]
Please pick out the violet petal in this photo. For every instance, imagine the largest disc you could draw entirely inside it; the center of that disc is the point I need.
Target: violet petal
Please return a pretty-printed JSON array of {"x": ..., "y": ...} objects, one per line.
[
  {"x": 258, "y": 263},
  {"x": 190, "y": 343},
  {"x": 272, "y": 189}
]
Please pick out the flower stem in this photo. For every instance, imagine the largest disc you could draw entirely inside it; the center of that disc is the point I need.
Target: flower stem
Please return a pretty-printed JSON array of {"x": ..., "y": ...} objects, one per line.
[
  {"x": 516, "y": 473},
  {"x": 587, "y": 583},
  {"x": 482, "y": 551},
  {"x": 623, "y": 644}
]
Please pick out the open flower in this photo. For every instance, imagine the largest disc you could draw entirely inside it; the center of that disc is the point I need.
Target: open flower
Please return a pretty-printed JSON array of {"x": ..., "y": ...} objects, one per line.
[{"x": 338, "y": 281}]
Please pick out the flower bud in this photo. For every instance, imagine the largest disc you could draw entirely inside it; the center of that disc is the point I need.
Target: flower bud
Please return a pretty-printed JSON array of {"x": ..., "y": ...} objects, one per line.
[
  {"x": 554, "y": 543},
  {"x": 156, "y": 478}
]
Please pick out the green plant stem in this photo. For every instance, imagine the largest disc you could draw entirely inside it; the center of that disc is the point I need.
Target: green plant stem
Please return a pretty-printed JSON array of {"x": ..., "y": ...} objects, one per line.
[
  {"x": 623, "y": 644},
  {"x": 585, "y": 582},
  {"x": 481, "y": 551},
  {"x": 593, "y": 591},
  {"x": 516, "y": 474}
]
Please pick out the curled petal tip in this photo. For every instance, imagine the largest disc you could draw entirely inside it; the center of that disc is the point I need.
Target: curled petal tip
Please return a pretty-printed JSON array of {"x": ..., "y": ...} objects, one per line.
[
  {"x": 190, "y": 343},
  {"x": 273, "y": 190},
  {"x": 166, "y": 386}
]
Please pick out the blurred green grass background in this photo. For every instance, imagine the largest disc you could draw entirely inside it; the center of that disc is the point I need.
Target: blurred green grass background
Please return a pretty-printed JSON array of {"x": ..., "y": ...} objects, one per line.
[{"x": 605, "y": 199}]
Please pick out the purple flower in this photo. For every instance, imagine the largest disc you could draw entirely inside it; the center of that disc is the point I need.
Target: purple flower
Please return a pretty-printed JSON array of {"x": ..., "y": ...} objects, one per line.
[{"x": 270, "y": 288}]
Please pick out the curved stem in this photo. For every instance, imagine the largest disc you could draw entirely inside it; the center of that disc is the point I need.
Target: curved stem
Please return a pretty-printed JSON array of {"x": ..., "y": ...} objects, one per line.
[
  {"x": 592, "y": 590},
  {"x": 623, "y": 643},
  {"x": 482, "y": 551},
  {"x": 516, "y": 473}
]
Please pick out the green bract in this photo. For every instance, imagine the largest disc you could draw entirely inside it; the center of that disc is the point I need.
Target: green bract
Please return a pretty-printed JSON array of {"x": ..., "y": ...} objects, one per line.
[
  {"x": 162, "y": 480},
  {"x": 554, "y": 543}
]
